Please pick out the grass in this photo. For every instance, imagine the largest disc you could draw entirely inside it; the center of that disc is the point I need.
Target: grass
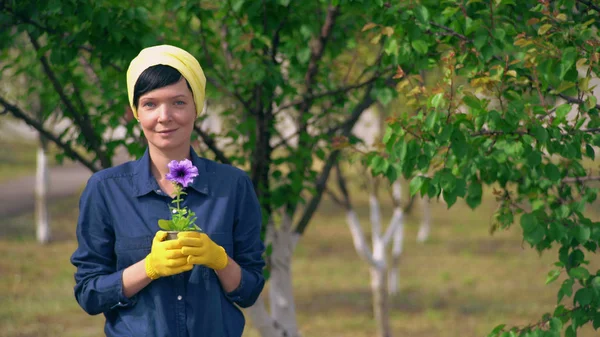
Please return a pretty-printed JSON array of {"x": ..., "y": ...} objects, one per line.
[{"x": 462, "y": 282}]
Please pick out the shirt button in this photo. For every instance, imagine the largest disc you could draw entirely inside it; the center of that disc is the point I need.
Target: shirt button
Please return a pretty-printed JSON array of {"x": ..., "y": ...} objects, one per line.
[{"x": 179, "y": 298}]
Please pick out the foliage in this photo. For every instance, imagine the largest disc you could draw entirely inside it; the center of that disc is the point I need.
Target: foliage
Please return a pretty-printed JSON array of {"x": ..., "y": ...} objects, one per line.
[{"x": 515, "y": 110}]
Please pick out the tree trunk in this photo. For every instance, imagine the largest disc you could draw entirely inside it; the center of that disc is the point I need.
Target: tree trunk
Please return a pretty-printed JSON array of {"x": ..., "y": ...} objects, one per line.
[
  {"x": 41, "y": 188},
  {"x": 262, "y": 320},
  {"x": 380, "y": 301},
  {"x": 397, "y": 246},
  {"x": 281, "y": 321},
  {"x": 425, "y": 228},
  {"x": 283, "y": 308}
]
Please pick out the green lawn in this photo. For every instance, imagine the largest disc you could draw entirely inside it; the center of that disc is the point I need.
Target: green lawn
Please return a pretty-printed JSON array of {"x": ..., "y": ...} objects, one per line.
[{"x": 463, "y": 282}]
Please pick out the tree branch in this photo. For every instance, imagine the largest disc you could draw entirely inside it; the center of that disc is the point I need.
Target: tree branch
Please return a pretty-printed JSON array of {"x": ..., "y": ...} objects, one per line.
[
  {"x": 485, "y": 132},
  {"x": 237, "y": 95},
  {"x": 569, "y": 99},
  {"x": 574, "y": 100},
  {"x": 590, "y": 5},
  {"x": 212, "y": 145},
  {"x": 276, "y": 36},
  {"x": 69, "y": 151},
  {"x": 81, "y": 120},
  {"x": 570, "y": 180},
  {"x": 310, "y": 209},
  {"x": 334, "y": 92},
  {"x": 450, "y": 31}
]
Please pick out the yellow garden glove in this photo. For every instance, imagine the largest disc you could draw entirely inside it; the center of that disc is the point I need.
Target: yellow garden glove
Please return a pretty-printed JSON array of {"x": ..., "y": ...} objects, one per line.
[
  {"x": 165, "y": 258},
  {"x": 202, "y": 250}
]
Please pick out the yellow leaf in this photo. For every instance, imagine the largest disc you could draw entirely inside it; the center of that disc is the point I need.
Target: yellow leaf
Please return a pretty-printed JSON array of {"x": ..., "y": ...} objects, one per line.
[
  {"x": 389, "y": 31},
  {"x": 402, "y": 84},
  {"x": 588, "y": 22},
  {"x": 375, "y": 39},
  {"x": 511, "y": 73},
  {"x": 581, "y": 62},
  {"x": 368, "y": 26},
  {"x": 522, "y": 42},
  {"x": 532, "y": 21},
  {"x": 584, "y": 83},
  {"x": 562, "y": 17},
  {"x": 544, "y": 29}
]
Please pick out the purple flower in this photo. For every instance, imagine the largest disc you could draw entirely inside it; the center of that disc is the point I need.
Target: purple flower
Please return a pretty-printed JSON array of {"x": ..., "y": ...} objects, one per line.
[{"x": 182, "y": 172}]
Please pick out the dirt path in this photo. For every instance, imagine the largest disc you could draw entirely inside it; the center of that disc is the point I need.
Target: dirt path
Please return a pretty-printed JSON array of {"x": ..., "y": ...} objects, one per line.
[{"x": 17, "y": 196}]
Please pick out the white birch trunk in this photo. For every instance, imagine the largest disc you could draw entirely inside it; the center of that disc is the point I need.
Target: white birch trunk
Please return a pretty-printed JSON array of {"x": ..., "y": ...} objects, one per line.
[
  {"x": 41, "y": 188},
  {"x": 397, "y": 246},
  {"x": 262, "y": 320},
  {"x": 425, "y": 227},
  {"x": 281, "y": 321},
  {"x": 380, "y": 301}
]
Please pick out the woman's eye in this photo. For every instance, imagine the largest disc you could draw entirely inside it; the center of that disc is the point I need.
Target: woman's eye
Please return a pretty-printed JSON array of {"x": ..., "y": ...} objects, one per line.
[
  {"x": 180, "y": 103},
  {"x": 148, "y": 105}
]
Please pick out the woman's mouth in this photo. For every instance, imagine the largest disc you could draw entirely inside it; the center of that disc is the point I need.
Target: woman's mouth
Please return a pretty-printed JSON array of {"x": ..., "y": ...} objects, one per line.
[{"x": 166, "y": 132}]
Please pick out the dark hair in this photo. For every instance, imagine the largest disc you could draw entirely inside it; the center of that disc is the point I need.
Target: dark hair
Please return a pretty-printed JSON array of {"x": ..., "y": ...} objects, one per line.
[{"x": 155, "y": 77}]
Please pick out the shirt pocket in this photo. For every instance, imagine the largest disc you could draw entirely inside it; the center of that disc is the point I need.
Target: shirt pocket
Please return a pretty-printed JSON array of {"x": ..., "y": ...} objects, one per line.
[{"x": 130, "y": 250}]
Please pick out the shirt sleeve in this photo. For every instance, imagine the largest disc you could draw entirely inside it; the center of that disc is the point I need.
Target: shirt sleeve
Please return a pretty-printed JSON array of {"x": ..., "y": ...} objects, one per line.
[
  {"x": 248, "y": 245},
  {"x": 98, "y": 285}
]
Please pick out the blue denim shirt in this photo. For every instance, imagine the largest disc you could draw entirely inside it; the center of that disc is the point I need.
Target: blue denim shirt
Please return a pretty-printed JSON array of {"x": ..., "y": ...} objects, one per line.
[{"x": 118, "y": 217}]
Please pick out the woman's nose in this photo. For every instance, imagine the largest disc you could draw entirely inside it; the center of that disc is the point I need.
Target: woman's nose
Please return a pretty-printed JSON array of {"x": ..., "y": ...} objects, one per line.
[{"x": 164, "y": 114}]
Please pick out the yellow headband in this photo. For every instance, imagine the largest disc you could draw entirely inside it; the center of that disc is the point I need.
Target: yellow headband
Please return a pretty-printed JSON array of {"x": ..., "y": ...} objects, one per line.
[{"x": 172, "y": 56}]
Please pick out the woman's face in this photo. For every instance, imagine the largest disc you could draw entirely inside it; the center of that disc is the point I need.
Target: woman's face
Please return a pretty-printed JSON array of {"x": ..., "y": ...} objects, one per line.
[{"x": 167, "y": 116}]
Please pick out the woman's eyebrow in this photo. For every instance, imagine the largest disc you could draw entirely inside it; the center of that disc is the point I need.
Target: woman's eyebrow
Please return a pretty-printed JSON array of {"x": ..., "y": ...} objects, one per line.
[{"x": 152, "y": 97}]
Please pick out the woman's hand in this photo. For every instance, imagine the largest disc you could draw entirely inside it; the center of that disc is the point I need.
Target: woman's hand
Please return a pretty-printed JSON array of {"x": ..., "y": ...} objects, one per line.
[
  {"x": 200, "y": 249},
  {"x": 166, "y": 258}
]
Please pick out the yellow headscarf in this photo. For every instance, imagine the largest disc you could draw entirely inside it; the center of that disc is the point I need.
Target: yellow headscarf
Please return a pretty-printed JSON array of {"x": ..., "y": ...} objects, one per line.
[{"x": 172, "y": 56}]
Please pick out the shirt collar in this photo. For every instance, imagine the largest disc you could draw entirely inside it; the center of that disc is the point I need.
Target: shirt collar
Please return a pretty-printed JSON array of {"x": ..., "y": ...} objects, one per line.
[{"x": 144, "y": 181}]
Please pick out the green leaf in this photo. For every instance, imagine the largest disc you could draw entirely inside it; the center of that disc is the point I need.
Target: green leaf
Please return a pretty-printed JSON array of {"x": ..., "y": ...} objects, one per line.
[
  {"x": 579, "y": 273},
  {"x": 459, "y": 144},
  {"x": 420, "y": 46},
  {"x": 540, "y": 133},
  {"x": 596, "y": 323},
  {"x": 389, "y": 132},
  {"x": 582, "y": 233},
  {"x": 590, "y": 152},
  {"x": 384, "y": 95},
  {"x": 552, "y": 276},
  {"x": 496, "y": 330},
  {"x": 571, "y": 331},
  {"x": 534, "y": 159},
  {"x": 562, "y": 212},
  {"x": 567, "y": 61},
  {"x": 449, "y": 197},
  {"x": 437, "y": 100},
  {"x": 584, "y": 296},
  {"x": 528, "y": 222},
  {"x": 596, "y": 284},
  {"x": 556, "y": 324},
  {"x": 415, "y": 184},
  {"x": 472, "y": 101},
  {"x": 562, "y": 111},
  {"x": 166, "y": 225},
  {"x": 552, "y": 172},
  {"x": 422, "y": 14},
  {"x": 430, "y": 120},
  {"x": 474, "y": 194}
]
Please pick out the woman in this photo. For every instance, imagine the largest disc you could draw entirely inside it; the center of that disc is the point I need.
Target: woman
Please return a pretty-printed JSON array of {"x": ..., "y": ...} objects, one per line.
[{"x": 146, "y": 285}]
